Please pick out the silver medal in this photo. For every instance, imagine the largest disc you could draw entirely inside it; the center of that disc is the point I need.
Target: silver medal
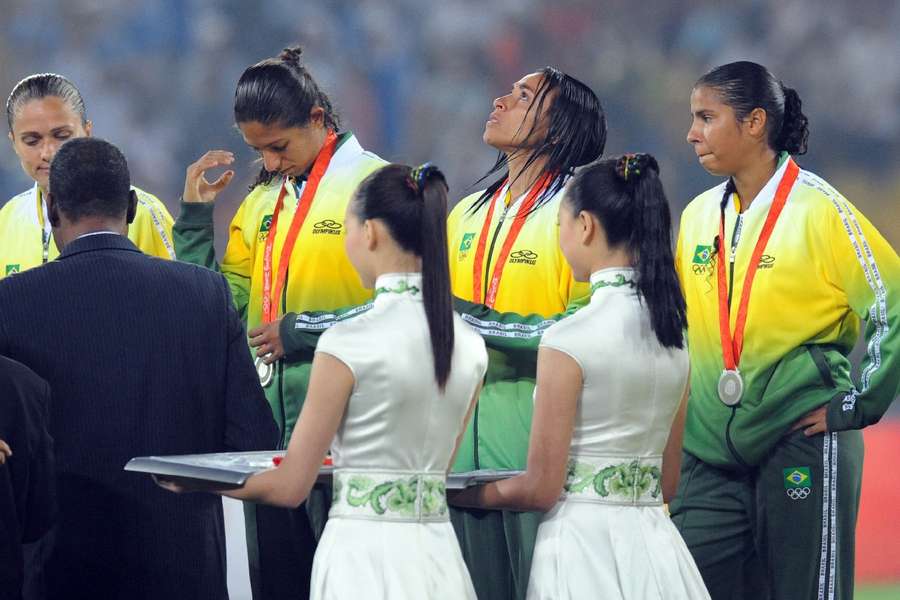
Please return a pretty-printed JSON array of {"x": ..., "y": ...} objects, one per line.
[
  {"x": 731, "y": 387},
  {"x": 264, "y": 371}
]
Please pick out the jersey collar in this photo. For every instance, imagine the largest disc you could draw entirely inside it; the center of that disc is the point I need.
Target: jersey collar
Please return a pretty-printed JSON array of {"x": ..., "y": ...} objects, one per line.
[
  {"x": 764, "y": 198},
  {"x": 348, "y": 149}
]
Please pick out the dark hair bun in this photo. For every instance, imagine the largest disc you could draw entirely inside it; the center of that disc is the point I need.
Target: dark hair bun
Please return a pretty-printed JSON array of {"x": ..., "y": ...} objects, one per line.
[
  {"x": 291, "y": 54},
  {"x": 794, "y": 126},
  {"x": 631, "y": 167}
]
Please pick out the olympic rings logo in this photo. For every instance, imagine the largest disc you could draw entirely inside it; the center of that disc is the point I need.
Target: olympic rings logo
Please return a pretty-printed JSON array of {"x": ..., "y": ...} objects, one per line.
[
  {"x": 798, "y": 493},
  {"x": 327, "y": 224}
]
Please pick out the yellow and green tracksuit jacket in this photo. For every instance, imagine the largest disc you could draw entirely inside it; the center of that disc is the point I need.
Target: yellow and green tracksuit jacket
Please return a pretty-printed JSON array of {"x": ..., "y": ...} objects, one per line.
[
  {"x": 23, "y": 227},
  {"x": 321, "y": 282},
  {"x": 536, "y": 290},
  {"x": 824, "y": 268}
]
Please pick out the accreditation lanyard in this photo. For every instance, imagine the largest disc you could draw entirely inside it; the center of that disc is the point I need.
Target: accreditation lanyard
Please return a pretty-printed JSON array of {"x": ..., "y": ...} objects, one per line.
[
  {"x": 270, "y": 301},
  {"x": 518, "y": 222},
  {"x": 732, "y": 344},
  {"x": 44, "y": 220}
]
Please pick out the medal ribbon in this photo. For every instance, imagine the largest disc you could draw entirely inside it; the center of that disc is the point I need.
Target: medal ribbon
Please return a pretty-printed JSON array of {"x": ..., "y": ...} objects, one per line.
[
  {"x": 733, "y": 345},
  {"x": 518, "y": 222},
  {"x": 270, "y": 301},
  {"x": 44, "y": 221}
]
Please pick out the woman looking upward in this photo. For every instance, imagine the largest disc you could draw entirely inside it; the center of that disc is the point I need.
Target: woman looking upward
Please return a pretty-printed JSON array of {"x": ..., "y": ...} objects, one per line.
[{"x": 507, "y": 269}]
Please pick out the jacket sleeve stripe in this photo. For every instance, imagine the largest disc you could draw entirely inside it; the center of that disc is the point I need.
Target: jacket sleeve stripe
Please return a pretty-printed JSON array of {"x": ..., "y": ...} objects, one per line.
[
  {"x": 160, "y": 230},
  {"x": 878, "y": 309}
]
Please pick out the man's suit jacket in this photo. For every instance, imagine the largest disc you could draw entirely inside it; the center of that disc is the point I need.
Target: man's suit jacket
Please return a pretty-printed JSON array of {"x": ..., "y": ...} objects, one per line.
[
  {"x": 27, "y": 496},
  {"x": 144, "y": 357}
]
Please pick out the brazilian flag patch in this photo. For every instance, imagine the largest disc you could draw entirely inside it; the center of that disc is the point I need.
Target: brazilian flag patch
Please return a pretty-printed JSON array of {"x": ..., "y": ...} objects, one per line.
[
  {"x": 266, "y": 224},
  {"x": 466, "y": 242},
  {"x": 10, "y": 269},
  {"x": 702, "y": 255},
  {"x": 797, "y": 477}
]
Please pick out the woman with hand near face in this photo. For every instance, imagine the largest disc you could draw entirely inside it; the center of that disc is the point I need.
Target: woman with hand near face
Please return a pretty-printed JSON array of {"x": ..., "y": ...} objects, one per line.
[
  {"x": 778, "y": 268},
  {"x": 43, "y": 111},
  {"x": 286, "y": 264},
  {"x": 511, "y": 282}
]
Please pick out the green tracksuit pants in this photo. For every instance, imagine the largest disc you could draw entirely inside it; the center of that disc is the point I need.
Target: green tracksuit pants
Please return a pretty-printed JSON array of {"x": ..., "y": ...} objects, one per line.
[{"x": 782, "y": 530}]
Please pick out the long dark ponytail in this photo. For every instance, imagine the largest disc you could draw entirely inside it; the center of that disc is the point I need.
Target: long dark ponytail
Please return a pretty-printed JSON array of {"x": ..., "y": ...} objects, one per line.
[
  {"x": 627, "y": 197},
  {"x": 280, "y": 91},
  {"x": 576, "y": 134},
  {"x": 413, "y": 205}
]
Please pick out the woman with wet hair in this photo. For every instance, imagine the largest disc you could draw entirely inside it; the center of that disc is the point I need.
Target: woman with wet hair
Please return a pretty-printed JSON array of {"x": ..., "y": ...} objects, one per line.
[
  {"x": 610, "y": 401},
  {"x": 392, "y": 429},
  {"x": 287, "y": 267},
  {"x": 511, "y": 282},
  {"x": 778, "y": 268},
  {"x": 42, "y": 112}
]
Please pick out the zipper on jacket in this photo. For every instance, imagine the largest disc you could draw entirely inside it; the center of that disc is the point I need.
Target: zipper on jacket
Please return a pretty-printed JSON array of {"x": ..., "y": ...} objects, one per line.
[
  {"x": 487, "y": 278},
  {"x": 283, "y": 442},
  {"x": 487, "y": 267},
  {"x": 280, "y": 365},
  {"x": 728, "y": 441},
  {"x": 475, "y": 437},
  {"x": 735, "y": 238}
]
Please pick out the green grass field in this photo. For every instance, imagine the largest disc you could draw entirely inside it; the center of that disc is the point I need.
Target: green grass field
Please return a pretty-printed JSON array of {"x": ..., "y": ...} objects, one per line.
[{"x": 878, "y": 592}]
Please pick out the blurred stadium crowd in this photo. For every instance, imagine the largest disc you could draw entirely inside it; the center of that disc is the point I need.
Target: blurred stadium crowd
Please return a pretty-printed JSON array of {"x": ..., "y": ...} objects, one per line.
[{"x": 415, "y": 79}]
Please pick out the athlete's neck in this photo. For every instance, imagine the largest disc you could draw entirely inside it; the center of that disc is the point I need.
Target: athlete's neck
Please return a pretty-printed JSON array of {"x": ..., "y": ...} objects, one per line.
[
  {"x": 520, "y": 176},
  {"x": 320, "y": 138},
  {"x": 749, "y": 181}
]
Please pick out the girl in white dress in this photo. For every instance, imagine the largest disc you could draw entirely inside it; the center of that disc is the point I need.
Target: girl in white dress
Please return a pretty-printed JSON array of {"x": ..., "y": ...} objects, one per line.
[
  {"x": 390, "y": 392},
  {"x": 609, "y": 403}
]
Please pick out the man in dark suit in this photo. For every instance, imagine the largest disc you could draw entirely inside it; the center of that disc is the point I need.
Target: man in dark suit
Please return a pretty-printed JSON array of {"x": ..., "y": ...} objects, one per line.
[
  {"x": 27, "y": 498},
  {"x": 144, "y": 357}
]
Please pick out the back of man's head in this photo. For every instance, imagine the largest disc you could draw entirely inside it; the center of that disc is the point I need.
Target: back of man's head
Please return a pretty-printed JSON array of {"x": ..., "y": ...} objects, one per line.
[{"x": 89, "y": 178}]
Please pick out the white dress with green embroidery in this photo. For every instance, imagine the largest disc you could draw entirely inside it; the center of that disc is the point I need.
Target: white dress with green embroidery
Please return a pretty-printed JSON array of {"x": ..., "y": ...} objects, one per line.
[
  {"x": 609, "y": 535},
  {"x": 389, "y": 534}
]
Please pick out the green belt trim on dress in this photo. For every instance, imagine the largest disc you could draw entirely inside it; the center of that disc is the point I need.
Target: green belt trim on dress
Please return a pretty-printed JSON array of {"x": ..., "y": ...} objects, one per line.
[
  {"x": 389, "y": 495},
  {"x": 622, "y": 480}
]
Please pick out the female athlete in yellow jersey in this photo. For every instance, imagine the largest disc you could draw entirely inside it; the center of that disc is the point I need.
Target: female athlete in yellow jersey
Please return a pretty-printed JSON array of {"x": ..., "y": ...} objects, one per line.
[
  {"x": 43, "y": 111},
  {"x": 511, "y": 278},
  {"x": 777, "y": 269},
  {"x": 287, "y": 268}
]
